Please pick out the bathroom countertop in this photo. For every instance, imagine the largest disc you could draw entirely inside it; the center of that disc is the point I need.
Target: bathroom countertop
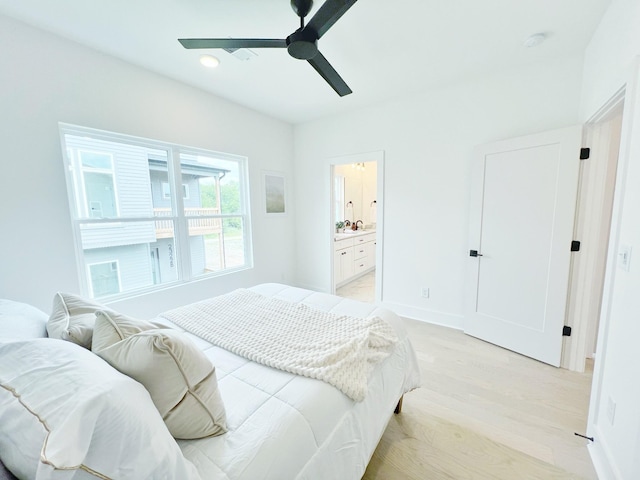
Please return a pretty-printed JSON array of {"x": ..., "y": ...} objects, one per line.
[{"x": 357, "y": 233}]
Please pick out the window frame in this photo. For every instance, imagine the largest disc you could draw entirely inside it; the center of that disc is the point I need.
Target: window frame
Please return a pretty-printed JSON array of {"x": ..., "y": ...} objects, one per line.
[
  {"x": 179, "y": 218},
  {"x": 167, "y": 195}
]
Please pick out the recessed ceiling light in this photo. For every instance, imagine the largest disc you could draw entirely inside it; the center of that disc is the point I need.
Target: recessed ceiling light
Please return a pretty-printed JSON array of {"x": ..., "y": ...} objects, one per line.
[
  {"x": 534, "y": 40},
  {"x": 209, "y": 61}
]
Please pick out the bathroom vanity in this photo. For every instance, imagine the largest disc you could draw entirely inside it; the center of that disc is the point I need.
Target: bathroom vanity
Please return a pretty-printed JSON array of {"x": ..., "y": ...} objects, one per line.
[{"x": 353, "y": 255}]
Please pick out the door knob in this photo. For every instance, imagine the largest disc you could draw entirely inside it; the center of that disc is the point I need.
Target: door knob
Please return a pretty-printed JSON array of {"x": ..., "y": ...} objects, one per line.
[{"x": 474, "y": 253}]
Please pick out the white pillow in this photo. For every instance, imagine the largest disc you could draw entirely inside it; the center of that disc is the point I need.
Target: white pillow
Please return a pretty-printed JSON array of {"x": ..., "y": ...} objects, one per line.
[
  {"x": 180, "y": 378},
  {"x": 19, "y": 321},
  {"x": 65, "y": 414},
  {"x": 72, "y": 319}
]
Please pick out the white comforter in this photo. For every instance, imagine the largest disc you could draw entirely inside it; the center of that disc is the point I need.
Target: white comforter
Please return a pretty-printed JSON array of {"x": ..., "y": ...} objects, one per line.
[
  {"x": 284, "y": 426},
  {"x": 338, "y": 349}
]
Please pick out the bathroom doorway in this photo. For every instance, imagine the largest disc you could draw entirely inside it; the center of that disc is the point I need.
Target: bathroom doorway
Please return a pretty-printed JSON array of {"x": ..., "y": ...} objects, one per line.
[{"x": 356, "y": 190}]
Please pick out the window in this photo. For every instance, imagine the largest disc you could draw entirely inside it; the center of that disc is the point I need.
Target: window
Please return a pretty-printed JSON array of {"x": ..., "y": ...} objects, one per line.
[
  {"x": 104, "y": 279},
  {"x": 97, "y": 184},
  {"x": 133, "y": 234},
  {"x": 166, "y": 191}
]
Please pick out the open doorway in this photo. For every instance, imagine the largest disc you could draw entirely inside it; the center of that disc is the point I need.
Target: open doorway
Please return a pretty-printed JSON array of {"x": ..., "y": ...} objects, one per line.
[
  {"x": 592, "y": 229},
  {"x": 356, "y": 184}
]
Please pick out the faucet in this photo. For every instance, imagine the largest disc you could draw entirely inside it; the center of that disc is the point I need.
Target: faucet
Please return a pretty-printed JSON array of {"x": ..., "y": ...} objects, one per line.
[{"x": 355, "y": 225}]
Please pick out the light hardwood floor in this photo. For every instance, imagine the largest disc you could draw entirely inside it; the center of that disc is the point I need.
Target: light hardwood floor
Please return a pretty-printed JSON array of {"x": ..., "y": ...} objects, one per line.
[
  {"x": 362, "y": 288},
  {"x": 484, "y": 413}
]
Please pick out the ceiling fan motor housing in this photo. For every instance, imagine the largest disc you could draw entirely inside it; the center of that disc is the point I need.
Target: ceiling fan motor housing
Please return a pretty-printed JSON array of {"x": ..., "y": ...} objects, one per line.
[
  {"x": 302, "y": 7},
  {"x": 302, "y": 44}
]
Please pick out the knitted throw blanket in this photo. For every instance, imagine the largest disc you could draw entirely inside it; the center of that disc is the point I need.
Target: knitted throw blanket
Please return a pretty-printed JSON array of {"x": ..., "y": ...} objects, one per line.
[{"x": 338, "y": 349}]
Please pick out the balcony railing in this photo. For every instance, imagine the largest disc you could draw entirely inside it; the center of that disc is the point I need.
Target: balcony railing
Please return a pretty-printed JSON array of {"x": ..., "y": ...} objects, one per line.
[{"x": 197, "y": 226}]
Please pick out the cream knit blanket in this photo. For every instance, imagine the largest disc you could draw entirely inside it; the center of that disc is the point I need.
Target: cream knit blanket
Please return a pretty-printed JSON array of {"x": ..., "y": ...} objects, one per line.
[{"x": 338, "y": 349}]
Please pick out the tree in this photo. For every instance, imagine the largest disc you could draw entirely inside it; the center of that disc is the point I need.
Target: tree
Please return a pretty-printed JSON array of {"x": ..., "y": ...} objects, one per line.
[{"x": 230, "y": 193}]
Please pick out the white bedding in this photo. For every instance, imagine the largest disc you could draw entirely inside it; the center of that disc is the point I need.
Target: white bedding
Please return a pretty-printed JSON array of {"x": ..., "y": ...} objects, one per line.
[
  {"x": 284, "y": 426},
  {"x": 281, "y": 426},
  {"x": 339, "y": 349}
]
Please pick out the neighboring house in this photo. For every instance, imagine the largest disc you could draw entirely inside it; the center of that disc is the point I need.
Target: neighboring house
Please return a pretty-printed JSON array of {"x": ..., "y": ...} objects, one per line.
[{"x": 120, "y": 181}]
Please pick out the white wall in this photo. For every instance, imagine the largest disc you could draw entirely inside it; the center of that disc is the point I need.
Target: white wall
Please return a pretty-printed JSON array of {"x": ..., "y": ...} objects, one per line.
[
  {"x": 428, "y": 141},
  {"x": 45, "y": 80},
  {"x": 609, "y": 55},
  {"x": 609, "y": 61}
]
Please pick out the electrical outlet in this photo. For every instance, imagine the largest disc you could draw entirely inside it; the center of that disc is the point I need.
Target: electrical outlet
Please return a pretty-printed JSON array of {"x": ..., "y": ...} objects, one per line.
[
  {"x": 624, "y": 257},
  {"x": 424, "y": 292},
  {"x": 611, "y": 410}
]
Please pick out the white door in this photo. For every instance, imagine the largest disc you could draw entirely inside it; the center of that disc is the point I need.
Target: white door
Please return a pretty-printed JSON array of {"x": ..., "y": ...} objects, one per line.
[{"x": 522, "y": 214}]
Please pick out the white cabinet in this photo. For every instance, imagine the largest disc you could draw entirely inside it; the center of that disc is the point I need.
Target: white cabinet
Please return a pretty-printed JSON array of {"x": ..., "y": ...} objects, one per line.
[
  {"x": 343, "y": 260},
  {"x": 370, "y": 248},
  {"x": 353, "y": 257},
  {"x": 360, "y": 261}
]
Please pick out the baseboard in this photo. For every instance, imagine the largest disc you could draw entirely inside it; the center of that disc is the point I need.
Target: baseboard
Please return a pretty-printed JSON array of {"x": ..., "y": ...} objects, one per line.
[
  {"x": 601, "y": 458},
  {"x": 435, "y": 317}
]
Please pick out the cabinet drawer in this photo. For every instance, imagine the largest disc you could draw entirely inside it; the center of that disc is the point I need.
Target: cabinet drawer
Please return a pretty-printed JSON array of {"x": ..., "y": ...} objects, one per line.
[
  {"x": 360, "y": 265},
  {"x": 369, "y": 237},
  {"x": 359, "y": 251},
  {"x": 341, "y": 244}
]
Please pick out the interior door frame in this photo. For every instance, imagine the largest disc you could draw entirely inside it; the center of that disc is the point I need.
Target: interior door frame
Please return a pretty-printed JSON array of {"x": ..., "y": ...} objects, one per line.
[
  {"x": 629, "y": 145},
  {"x": 583, "y": 286},
  {"x": 378, "y": 157}
]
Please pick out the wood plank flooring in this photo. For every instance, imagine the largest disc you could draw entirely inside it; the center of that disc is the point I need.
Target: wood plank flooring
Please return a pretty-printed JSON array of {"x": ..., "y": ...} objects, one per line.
[
  {"x": 485, "y": 413},
  {"x": 362, "y": 288}
]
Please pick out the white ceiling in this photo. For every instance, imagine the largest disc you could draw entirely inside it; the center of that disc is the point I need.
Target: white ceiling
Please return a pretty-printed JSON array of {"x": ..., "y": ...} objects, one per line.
[{"x": 383, "y": 49}]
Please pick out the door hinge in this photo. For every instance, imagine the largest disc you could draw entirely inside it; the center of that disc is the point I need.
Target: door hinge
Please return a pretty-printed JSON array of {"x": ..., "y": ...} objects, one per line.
[
  {"x": 566, "y": 331},
  {"x": 584, "y": 153},
  {"x": 575, "y": 246}
]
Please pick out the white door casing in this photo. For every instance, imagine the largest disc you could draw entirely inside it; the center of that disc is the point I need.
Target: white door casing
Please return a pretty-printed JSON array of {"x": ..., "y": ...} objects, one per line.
[
  {"x": 522, "y": 215},
  {"x": 592, "y": 227},
  {"x": 378, "y": 157}
]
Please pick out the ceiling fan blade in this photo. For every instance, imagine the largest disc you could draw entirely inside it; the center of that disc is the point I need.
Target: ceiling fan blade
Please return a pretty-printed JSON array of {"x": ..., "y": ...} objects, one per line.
[
  {"x": 232, "y": 43},
  {"x": 324, "y": 68},
  {"x": 328, "y": 14}
]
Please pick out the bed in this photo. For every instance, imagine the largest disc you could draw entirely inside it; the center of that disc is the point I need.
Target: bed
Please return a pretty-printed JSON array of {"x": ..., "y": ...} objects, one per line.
[{"x": 278, "y": 424}]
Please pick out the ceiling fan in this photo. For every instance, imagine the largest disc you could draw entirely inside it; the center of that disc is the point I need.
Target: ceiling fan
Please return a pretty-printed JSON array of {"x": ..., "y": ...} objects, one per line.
[{"x": 301, "y": 44}]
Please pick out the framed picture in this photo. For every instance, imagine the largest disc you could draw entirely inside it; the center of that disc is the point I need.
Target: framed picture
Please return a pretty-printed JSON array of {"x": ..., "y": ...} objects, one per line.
[{"x": 274, "y": 193}]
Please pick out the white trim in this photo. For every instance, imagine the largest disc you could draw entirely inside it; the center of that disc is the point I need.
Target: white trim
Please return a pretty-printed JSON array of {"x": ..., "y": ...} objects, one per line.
[
  {"x": 596, "y": 189},
  {"x": 602, "y": 461}
]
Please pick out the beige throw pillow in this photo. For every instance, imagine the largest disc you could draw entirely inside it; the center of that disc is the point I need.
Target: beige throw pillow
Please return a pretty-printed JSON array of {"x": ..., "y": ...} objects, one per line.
[
  {"x": 111, "y": 327},
  {"x": 179, "y": 377},
  {"x": 72, "y": 318}
]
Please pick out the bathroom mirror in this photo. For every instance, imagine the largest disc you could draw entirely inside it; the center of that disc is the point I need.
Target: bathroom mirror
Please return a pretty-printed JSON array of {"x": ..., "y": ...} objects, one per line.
[
  {"x": 355, "y": 192},
  {"x": 338, "y": 197}
]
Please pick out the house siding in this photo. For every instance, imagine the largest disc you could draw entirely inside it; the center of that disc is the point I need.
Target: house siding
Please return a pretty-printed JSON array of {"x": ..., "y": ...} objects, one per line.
[
  {"x": 130, "y": 170},
  {"x": 134, "y": 267}
]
